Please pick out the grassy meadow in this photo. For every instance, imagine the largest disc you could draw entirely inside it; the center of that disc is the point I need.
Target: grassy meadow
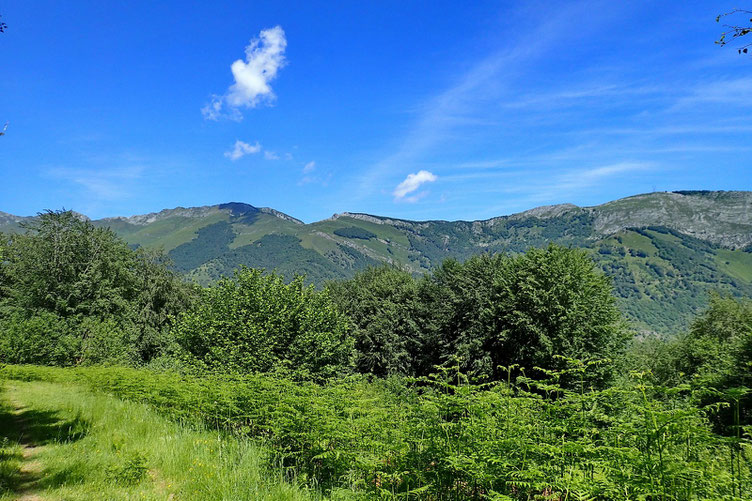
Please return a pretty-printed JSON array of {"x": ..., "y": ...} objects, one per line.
[{"x": 63, "y": 441}]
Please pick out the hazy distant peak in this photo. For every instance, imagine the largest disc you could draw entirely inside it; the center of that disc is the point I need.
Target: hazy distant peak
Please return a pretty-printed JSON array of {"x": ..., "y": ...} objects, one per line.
[
  {"x": 281, "y": 215},
  {"x": 546, "y": 211},
  {"x": 6, "y": 218},
  {"x": 144, "y": 219}
]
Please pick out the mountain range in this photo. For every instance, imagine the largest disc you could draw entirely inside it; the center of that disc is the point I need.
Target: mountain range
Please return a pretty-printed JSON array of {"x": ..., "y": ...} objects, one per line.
[{"x": 664, "y": 251}]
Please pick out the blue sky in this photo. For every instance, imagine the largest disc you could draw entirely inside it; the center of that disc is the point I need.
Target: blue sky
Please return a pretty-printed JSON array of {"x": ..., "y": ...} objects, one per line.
[{"x": 420, "y": 110}]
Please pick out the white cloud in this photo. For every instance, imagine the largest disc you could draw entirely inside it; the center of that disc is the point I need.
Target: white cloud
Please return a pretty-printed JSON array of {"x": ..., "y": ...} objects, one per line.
[
  {"x": 309, "y": 167},
  {"x": 411, "y": 183},
  {"x": 242, "y": 149},
  {"x": 264, "y": 56},
  {"x": 270, "y": 155}
]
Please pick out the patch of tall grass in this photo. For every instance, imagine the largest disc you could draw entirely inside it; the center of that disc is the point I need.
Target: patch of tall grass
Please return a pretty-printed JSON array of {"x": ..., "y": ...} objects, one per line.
[
  {"x": 10, "y": 453},
  {"x": 443, "y": 438},
  {"x": 124, "y": 450}
]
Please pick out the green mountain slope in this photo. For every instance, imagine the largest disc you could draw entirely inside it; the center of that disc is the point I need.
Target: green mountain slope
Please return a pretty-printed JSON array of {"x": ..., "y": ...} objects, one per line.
[{"x": 664, "y": 251}]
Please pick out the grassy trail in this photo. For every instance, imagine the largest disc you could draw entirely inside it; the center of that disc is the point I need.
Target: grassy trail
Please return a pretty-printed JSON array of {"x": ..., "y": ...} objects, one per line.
[
  {"x": 64, "y": 442},
  {"x": 30, "y": 470}
]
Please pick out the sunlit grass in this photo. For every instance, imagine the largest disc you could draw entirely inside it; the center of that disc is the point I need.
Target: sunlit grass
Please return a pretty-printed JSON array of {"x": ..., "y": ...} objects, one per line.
[{"x": 98, "y": 447}]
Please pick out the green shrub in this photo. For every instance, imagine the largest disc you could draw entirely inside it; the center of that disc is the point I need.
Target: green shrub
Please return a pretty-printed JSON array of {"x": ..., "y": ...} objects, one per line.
[
  {"x": 43, "y": 339},
  {"x": 48, "y": 339},
  {"x": 257, "y": 323},
  {"x": 446, "y": 439}
]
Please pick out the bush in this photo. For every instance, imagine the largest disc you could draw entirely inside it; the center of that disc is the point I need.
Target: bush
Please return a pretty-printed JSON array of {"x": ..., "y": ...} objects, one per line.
[
  {"x": 48, "y": 339},
  {"x": 257, "y": 323},
  {"x": 43, "y": 339}
]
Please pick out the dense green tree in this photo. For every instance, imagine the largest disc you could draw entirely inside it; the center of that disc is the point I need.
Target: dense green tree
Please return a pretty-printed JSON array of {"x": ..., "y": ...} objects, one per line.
[
  {"x": 527, "y": 309},
  {"x": 717, "y": 355},
  {"x": 66, "y": 266},
  {"x": 456, "y": 313},
  {"x": 381, "y": 303},
  {"x": 258, "y": 323},
  {"x": 90, "y": 281},
  {"x": 551, "y": 302}
]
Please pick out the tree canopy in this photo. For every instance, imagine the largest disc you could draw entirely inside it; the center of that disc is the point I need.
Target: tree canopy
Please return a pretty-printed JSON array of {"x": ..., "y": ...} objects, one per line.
[
  {"x": 735, "y": 31},
  {"x": 88, "y": 281},
  {"x": 258, "y": 323}
]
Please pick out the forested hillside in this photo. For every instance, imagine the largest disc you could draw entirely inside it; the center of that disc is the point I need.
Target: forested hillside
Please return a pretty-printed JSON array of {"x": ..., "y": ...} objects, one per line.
[
  {"x": 663, "y": 251},
  {"x": 506, "y": 376}
]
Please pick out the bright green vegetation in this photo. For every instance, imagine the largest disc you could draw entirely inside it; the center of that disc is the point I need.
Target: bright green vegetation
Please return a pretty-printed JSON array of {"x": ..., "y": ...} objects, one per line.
[
  {"x": 501, "y": 376},
  {"x": 442, "y": 438},
  {"x": 738, "y": 265},
  {"x": 79, "y": 445},
  {"x": 354, "y": 232},
  {"x": 257, "y": 323}
]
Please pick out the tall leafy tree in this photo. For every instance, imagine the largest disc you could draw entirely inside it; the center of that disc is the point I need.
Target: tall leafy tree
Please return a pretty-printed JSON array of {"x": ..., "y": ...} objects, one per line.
[
  {"x": 381, "y": 305},
  {"x": 456, "y": 313},
  {"x": 550, "y": 302},
  {"x": 524, "y": 310},
  {"x": 92, "y": 282}
]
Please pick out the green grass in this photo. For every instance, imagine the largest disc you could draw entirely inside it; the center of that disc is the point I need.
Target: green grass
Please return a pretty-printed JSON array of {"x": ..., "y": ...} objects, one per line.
[
  {"x": 736, "y": 263},
  {"x": 94, "y": 446},
  {"x": 263, "y": 225},
  {"x": 632, "y": 240},
  {"x": 171, "y": 232}
]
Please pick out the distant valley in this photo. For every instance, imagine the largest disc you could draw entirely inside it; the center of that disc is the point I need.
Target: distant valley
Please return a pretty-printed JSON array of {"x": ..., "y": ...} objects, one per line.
[{"x": 664, "y": 251}]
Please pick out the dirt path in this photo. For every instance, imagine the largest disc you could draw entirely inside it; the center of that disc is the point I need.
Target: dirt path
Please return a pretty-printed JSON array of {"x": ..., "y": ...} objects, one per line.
[{"x": 31, "y": 469}]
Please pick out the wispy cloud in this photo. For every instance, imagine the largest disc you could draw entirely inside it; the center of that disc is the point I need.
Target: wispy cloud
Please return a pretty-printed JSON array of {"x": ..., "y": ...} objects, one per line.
[
  {"x": 586, "y": 178},
  {"x": 270, "y": 155},
  {"x": 264, "y": 57},
  {"x": 242, "y": 149},
  {"x": 101, "y": 184},
  {"x": 733, "y": 91},
  {"x": 472, "y": 102},
  {"x": 311, "y": 174},
  {"x": 411, "y": 183}
]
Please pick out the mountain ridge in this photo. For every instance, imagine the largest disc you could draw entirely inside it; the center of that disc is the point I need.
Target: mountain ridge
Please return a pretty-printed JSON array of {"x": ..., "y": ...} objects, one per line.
[{"x": 664, "y": 251}]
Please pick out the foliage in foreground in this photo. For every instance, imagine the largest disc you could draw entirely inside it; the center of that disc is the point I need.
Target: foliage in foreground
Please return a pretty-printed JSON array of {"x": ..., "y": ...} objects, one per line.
[
  {"x": 715, "y": 355},
  {"x": 71, "y": 294},
  {"x": 446, "y": 439},
  {"x": 490, "y": 311},
  {"x": 93, "y": 446},
  {"x": 257, "y": 323}
]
